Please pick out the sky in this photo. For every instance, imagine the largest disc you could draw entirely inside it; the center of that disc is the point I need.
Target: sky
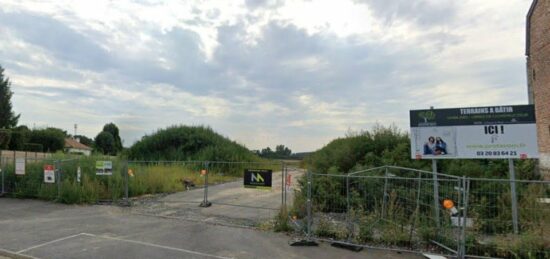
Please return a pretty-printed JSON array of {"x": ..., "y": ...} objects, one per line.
[{"x": 261, "y": 72}]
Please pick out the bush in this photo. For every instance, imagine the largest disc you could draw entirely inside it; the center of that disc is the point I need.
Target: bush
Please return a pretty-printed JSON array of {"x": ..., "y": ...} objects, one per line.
[{"x": 189, "y": 143}]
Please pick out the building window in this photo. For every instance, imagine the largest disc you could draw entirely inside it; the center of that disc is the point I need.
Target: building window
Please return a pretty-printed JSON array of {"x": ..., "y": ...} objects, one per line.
[{"x": 534, "y": 75}]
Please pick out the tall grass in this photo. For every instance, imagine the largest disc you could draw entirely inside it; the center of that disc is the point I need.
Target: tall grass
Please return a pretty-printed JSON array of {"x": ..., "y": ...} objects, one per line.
[{"x": 146, "y": 178}]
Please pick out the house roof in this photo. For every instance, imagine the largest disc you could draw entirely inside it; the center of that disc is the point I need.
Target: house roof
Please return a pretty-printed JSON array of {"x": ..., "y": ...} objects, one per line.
[
  {"x": 528, "y": 27},
  {"x": 72, "y": 143}
]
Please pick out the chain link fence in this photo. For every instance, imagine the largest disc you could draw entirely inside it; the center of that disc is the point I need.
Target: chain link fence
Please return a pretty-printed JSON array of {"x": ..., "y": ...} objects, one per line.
[{"x": 412, "y": 210}]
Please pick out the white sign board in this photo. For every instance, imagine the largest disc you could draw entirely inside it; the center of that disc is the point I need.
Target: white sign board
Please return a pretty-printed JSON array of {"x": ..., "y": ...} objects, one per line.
[
  {"x": 20, "y": 166},
  {"x": 49, "y": 174},
  {"x": 478, "y": 132},
  {"x": 104, "y": 167}
]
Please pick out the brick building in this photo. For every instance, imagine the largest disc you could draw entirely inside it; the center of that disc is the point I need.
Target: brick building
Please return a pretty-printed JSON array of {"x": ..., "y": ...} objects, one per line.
[{"x": 538, "y": 73}]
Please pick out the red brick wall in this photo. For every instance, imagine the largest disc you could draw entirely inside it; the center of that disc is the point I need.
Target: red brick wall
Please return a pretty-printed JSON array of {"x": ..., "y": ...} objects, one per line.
[{"x": 539, "y": 77}]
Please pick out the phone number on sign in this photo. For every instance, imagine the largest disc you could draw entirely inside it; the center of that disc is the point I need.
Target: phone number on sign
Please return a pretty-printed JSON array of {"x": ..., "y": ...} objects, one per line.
[{"x": 496, "y": 153}]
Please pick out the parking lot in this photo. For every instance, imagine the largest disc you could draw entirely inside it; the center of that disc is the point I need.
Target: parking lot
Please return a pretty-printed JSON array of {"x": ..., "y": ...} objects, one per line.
[{"x": 47, "y": 230}]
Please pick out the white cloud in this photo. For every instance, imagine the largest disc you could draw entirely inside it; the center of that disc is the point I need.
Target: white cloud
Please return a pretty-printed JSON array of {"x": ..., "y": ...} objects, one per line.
[{"x": 298, "y": 73}]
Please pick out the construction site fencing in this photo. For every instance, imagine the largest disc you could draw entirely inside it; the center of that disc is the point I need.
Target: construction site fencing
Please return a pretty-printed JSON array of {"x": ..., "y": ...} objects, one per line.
[
  {"x": 405, "y": 209},
  {"x": 68, "y": 180},
  {"x": 149, "y": 177}
]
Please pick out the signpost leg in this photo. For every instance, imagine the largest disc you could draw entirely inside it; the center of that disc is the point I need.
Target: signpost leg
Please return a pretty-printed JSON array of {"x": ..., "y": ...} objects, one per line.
[
  {"x": 514, "y": 195},
  {"x": 436, "y": 192}
]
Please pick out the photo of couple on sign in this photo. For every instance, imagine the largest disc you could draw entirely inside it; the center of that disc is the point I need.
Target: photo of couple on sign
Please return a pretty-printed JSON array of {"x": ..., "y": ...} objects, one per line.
[{"x": 435, "y": 146}]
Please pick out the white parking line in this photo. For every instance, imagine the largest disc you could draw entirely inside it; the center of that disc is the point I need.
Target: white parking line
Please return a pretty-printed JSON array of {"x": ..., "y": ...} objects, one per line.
[
  {"x": 122, "y": 240},
  {"x": 47, "y": 243},
  {"x": 4, "y": 252},
  {"x": 157, "y": 246}
]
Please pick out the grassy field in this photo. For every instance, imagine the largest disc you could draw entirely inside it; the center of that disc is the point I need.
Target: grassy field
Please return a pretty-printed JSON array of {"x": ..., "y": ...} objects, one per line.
[{"x": 143, "y": 178}]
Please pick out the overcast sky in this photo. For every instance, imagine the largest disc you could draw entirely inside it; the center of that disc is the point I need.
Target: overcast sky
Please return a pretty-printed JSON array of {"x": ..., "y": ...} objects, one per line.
[{"x": 261, "y": 72}]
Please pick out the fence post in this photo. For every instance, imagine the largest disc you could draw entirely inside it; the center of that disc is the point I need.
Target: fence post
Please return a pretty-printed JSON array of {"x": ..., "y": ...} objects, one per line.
[
  {"x": 436, "y": 192},
  {"x": 286, "y": 179},
  {"x": 385, "y": 198},
  {"x": 283, "y": 189},
  {"x": 2, "y": 171},
  {"x": 308, "y": 208},
  {"x": 126, "y": 182},
  {"x": 514, "y": 195},
  {"x": 205, "y": 203},
  {"x": 459, "y": 233},
  {"x": 466, "y": 192},
  {"x": 58, "y": 176}
]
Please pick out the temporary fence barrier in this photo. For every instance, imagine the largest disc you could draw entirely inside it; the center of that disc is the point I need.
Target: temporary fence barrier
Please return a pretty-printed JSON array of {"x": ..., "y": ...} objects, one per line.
[{"x": 407, "y": 209}]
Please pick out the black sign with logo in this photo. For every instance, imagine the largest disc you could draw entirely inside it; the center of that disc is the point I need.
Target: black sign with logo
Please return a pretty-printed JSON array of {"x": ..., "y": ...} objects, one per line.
[
  {"x": 511, "y": 114},
  {"x": 257, "y": 178}
]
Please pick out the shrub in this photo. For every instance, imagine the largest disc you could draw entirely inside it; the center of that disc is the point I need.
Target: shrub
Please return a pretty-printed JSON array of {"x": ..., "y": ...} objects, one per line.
[{"x": 189, "y": 143}]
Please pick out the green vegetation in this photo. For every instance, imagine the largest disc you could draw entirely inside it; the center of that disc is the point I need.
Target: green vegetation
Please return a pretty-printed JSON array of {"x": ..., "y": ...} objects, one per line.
[
  {"x": 280, "y": 152},
  {"x": 51, "y": 139},
  {"x": 187, "y": 143},
  {"x": 108, "y": 141},
  {"x": 145, "y": 178},
  {"x": 8, "y": 119}
]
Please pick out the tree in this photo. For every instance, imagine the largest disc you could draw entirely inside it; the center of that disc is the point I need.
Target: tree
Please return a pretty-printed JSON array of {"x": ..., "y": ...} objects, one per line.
[
  {"x": 7, "y": 118},
  {"x": 113, "y": 129},
  {"x": 105, "y": 142},
  {"x": 282, "y": 151},
  {"x": 5, "y": 136},
  {"x": 51, "y": 139},
  {"x": 85, "y": 140},
  {"x": 19, "y": 137}
]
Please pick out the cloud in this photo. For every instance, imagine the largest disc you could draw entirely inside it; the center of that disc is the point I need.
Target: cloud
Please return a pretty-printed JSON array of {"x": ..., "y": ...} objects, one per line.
[
  {"x": 425, "y": 13},
  {"x": 60, "y": 40},
  {"x": 298, "y": 73}
]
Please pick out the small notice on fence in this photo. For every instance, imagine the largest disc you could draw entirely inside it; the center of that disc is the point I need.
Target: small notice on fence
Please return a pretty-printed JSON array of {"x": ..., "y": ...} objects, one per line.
[
  {"x": 104, "y": 167},
  {"x": 20, "y": 166},
  {"x": 257, "y": 178},
  {"x": 49, "y": 174}
]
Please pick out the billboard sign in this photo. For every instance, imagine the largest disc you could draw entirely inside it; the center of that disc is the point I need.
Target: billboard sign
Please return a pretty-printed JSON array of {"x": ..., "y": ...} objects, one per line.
[
  {"x": 474, "y": 132},
  {"x": 103, "y": 167},
  {"x": 257, "y": 178}
]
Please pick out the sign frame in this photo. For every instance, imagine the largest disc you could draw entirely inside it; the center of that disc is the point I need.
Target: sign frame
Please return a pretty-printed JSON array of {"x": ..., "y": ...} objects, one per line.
[
  {"x": 258, "y": 179},
  {"x": 49, "y": 174},
  {"x": 489, "y": 132},
  {"x": 104, "y": 167}
]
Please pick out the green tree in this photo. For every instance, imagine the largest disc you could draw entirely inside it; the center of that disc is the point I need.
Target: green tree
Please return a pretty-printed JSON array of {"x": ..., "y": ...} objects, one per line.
[
  {"x": 5, "y": 136},
  {"x": 113, "y": 129},
  {"x": 85, "y": 140},
  {"x": 7, "y": 118},
  {"x": 282, "y": 151},
  {"x": 19, "y": 137},
  {"x": 51, "y": 139},
  {"x": 105, "y": 143}
]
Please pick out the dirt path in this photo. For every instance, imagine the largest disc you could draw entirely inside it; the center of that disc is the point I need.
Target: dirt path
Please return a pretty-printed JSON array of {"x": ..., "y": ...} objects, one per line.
[{"x": 232, "y": 204}]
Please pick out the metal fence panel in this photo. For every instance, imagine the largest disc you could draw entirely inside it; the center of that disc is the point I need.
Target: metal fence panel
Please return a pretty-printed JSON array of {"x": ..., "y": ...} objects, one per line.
[
  {"x": 491, "y": 232},
  {"x": 405, "y": 209},
  {"x": 392, "y": 208}
]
